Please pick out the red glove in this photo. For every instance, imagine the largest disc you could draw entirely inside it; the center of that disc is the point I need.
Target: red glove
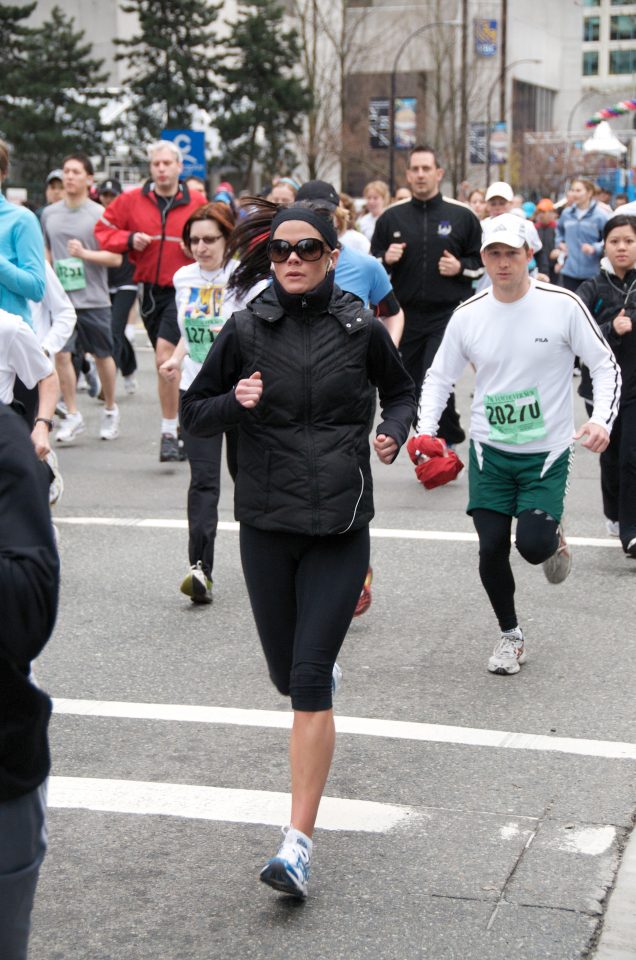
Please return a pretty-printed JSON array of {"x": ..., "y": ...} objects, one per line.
[{"x": 434, "y": 463}]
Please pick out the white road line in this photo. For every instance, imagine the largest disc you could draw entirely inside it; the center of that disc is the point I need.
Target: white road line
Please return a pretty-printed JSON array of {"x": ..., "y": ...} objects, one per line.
[
  {"x": 215, "y": 803},
  {"x": 381, "y": 533},
  {"x": 361, "y": 726}
]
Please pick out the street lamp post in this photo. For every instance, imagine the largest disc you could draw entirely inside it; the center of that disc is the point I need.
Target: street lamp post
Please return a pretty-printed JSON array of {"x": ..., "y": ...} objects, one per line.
[
  {"x": 401, "y": 49},
  {"x": 498, "y": 78}
]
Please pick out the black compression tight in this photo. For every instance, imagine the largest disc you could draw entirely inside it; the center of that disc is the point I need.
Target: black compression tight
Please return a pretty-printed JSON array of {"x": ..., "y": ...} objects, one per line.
[
  {"x": 303, "y": 591},
  {"x": 536, "y": 540}
]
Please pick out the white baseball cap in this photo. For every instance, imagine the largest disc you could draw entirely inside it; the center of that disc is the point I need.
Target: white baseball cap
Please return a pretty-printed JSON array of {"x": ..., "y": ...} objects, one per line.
[
  {"x": 500, "y": 189},
  {"x": 506, "y": 228}
]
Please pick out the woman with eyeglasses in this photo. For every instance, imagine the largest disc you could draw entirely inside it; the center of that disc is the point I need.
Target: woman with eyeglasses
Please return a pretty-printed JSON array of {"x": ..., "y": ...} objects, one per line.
[
  {"x": 199, "y": 291},
  {"x": 292, "y": 371}
]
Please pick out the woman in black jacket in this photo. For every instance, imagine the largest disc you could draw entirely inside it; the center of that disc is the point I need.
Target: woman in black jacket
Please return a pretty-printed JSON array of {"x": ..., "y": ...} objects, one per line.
[
  {"x": 292, "y": 371},
  {"x": 611, "y": 299}
]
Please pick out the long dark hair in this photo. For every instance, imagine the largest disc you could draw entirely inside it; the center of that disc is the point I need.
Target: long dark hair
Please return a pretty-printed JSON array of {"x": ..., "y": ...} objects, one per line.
[{"x": 248, "y": 243}]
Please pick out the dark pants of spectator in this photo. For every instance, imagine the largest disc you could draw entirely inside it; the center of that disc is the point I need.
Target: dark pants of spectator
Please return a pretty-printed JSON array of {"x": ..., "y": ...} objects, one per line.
[
  {"x": 22, "y": 849},
  {"x": 618, "y": 474}
]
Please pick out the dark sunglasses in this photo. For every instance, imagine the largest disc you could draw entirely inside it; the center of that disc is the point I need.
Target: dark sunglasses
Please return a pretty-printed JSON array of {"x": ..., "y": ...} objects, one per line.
[{"x": 308, "y": 249}]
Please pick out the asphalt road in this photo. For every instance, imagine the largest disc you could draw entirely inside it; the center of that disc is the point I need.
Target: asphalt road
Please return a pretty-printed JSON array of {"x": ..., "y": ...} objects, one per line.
[{"x": 470, "y": 816}]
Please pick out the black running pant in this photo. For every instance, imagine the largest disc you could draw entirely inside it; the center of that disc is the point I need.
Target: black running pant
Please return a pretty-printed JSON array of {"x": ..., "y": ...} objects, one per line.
[
  {"x": 418, "y": 348},
  {"x": 303, "y": 591},
  {"x": 204, "y": 458},
  {"x": 618, "y": 473},
  {"x": 121, "y": 302},
  {"x": 536, "y": 539}
]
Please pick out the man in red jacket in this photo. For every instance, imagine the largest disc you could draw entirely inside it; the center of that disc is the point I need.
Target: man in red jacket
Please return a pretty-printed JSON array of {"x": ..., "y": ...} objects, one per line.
[{"x": 147, "y": 223}]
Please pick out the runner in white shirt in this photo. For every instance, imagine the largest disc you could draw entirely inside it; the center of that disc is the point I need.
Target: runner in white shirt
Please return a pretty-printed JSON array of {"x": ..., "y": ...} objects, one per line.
[
  {"x": 54, "y": 318},
  {"x": 521, "y": 335},
  {"x": 199, "y": 292}
]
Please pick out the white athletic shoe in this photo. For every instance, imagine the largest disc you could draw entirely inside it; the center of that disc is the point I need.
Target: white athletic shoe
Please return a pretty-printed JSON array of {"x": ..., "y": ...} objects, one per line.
[
  {"x": 109, "y": 428},
  {"x": 612, "y": 528},
  {"x": 288, "y": 871},
  {"x": 509, "y": 653},
  {"x": 558, "y": 566},
  {"x": 71, "y": 428}
]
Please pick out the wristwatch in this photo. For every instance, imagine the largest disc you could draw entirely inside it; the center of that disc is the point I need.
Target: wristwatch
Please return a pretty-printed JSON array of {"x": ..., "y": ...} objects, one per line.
[{"x": 45, "y": 420}]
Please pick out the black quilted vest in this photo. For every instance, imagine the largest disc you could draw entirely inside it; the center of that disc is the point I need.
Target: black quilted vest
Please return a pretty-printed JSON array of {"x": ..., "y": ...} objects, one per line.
[{"x": 304, "y": 453}]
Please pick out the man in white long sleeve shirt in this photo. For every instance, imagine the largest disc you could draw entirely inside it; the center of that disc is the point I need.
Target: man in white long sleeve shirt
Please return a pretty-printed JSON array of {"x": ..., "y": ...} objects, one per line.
[{"x": 521, "y": 335}]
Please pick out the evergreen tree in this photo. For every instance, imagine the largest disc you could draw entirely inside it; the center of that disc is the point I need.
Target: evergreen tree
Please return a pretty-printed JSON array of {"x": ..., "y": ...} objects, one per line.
[
  {"x": 264, "y": 101},
  {"x": 53, "y": 105},
  {"x": 13, "y": 38},
  {"x": 170, "y": 62}
]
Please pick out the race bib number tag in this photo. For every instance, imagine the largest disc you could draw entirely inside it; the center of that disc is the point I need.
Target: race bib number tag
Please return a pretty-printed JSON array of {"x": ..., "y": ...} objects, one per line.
[
  {"x": 202, "y": 321},
  {"x": 70, "y": 273},
  {"x": 515, "y": 418},
  {"x": 200, "y": 336}
]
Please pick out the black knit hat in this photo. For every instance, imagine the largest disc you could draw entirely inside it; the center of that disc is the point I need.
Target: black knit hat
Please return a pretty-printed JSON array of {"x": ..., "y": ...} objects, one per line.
[{"x": 319, "y": 190}]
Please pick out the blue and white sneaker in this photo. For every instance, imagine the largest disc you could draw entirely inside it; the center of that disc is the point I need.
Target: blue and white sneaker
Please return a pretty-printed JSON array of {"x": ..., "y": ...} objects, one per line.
[{"x": 288, "y": 871}]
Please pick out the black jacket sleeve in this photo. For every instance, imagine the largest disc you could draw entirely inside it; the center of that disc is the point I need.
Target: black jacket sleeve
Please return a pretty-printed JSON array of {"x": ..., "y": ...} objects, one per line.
[
  {"x": 396, "y": 388},
  {"x": 381, "y": 239},
  {"x": 472, "y": 264},
  {"x": 29, "y": 563}
]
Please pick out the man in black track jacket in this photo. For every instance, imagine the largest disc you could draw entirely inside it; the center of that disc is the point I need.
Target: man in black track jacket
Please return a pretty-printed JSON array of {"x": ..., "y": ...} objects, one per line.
[{"x": 430, "y": 246}]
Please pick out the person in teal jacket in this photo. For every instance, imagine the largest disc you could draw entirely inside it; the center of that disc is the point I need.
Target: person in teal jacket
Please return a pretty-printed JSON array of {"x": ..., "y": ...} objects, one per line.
[{"x": 21, "y": 252}]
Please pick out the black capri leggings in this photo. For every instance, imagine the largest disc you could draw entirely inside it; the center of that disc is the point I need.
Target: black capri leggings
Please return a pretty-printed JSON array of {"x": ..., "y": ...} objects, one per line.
[
  {"x": 303, "y": 591},
  {"x": 536, "y": 540}
]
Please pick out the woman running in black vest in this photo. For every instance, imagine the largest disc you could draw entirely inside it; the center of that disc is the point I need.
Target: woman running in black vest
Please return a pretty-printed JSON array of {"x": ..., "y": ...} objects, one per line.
[{"x": 291, "y": 370}]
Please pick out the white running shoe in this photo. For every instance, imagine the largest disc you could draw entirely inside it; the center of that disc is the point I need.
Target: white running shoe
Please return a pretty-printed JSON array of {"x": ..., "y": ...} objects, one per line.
[
  {"x": 288, "y": 871},
  {"x": 612, "y": 527},
  {"x": 558, "y": 566},
  {"x": 130, "y": 386},
  {"x": 630, "y": 549},
  {"x": 109, "y": 428},
  {"x": 71, "y": 428},
  {"x": 509, "y": 653}
]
